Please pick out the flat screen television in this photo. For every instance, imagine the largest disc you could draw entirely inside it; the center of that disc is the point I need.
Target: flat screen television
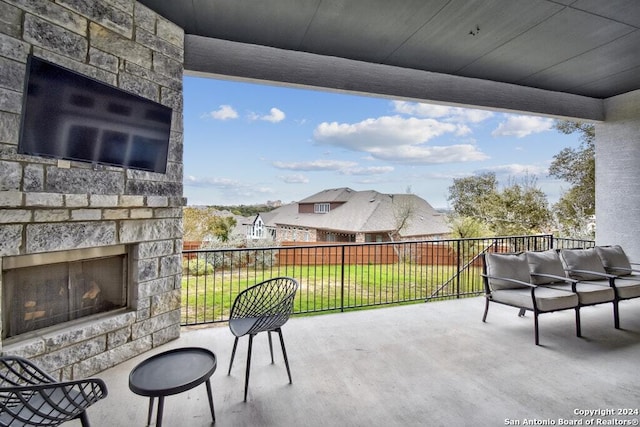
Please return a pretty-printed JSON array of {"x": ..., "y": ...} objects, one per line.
[{"x": 69, "y": 116}]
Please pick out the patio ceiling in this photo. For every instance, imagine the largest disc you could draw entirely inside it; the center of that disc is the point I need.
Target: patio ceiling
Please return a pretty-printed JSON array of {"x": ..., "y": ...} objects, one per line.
[{"x": 488, "y": 53}]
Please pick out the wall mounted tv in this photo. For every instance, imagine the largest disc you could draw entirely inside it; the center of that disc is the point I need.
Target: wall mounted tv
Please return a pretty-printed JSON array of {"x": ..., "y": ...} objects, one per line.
[{"x": 69, "y": 116}]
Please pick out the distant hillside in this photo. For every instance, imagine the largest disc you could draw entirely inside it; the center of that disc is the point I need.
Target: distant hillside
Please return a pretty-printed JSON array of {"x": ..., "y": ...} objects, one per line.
[{"x": 245, "y": 210}]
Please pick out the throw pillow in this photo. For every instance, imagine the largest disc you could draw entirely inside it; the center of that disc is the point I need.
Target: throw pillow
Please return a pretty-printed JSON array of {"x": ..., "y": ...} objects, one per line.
[
  {"x": 614, "y": 256},
  {"x": 545, "y": 262},
  {"x": 509, "y": 266},
  {"x": 582, "y": 259}
]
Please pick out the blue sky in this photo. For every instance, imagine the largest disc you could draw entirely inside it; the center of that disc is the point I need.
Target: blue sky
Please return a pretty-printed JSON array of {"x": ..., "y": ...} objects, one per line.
[{"x": 248, "y": 143}]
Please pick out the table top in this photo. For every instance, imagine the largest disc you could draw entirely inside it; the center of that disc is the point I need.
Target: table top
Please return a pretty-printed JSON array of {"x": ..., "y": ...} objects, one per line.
[{"x": 172, "y": 372}]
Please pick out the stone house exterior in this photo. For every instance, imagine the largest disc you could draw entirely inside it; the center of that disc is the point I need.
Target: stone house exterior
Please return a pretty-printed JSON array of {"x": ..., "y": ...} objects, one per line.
[{"x": 345, "y": 215}]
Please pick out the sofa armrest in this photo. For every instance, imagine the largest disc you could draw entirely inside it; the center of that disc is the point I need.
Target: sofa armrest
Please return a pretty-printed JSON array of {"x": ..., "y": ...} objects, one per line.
[
  {"x": 514, "y": 281},
  {"x": 605, "y": 276},
  {"x": 595, "y": 273},
  {"x": 627, "y": 270},
  {"x": 572, "y": 282}
]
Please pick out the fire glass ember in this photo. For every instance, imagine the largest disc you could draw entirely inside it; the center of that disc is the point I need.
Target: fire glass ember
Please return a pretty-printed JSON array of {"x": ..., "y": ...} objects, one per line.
[{"x": 36, "y": 297}]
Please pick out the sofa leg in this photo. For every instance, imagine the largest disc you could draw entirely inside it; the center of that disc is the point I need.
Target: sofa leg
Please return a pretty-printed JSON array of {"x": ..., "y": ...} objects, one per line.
[
  {"x": 522, "y": 312},
  {"x": 535, "y": 327},
  {"x": 578, "y": 327},
  {"x": 486, "y": 310},
  {"x": 616, "y": 314}
]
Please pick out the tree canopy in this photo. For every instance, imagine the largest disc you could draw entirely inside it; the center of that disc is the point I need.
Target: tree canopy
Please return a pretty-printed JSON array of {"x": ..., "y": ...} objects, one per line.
[
  {"x": 202, "y": 223},
  {"x": 575, "y": 209},
  {"x": 518, "y": 208},
  {"x": 468, "y": 195}
]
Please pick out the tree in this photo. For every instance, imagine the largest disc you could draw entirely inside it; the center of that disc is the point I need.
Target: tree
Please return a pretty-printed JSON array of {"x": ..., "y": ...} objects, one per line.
[
  {"x": 469, "y": 195},
  {"x": 465, "y": 227},
  {"x": 575, "y": 209},
  {"x": 202, "y": 223},
  {"x": 519, "y": 208},
  {"x": 404, "y": 209},
  {"x": 195, "y": 222},
  {"x": 221, "y": 227}
]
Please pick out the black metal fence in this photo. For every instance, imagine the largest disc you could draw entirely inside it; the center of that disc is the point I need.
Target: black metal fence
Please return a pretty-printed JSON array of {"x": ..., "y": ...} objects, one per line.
[{"x": 337, "y": 277}]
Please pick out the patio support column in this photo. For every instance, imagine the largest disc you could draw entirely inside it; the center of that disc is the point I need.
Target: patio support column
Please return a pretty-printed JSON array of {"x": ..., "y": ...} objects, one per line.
[{"x": 618, "y": 174}]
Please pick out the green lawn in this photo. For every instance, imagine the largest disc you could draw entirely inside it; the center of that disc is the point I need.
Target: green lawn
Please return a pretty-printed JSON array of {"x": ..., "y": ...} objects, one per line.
[{"x": 208, "y": 298}]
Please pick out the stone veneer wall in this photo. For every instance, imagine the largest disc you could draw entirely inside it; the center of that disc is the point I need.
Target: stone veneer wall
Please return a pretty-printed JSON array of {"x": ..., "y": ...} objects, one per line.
[{"x": 44, "y": 207}]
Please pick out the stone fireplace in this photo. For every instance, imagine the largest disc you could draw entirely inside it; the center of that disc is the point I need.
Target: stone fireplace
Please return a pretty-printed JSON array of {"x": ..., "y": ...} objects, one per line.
[
  {"x": 44, "y": 290},
  {"x": 90, "y": 255}
]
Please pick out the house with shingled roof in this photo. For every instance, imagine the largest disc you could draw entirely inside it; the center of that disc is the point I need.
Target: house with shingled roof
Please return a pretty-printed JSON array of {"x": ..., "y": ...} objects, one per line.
[{"x": 346, "y": 215}]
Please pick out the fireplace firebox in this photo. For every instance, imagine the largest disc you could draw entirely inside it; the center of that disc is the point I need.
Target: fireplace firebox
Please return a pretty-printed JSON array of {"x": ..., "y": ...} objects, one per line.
[{"x": 44, "y": 290}]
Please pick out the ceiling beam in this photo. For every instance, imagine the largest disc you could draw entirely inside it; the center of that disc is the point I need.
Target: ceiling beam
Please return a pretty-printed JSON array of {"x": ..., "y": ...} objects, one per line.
[{"x": 214, "y": 57}]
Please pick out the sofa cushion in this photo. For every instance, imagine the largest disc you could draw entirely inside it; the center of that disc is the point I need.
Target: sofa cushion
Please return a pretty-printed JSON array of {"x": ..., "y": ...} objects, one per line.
[
  {"x": 589, "y": 293},
  {"x": 583, "y": 259},
  {"x": 509, "y": 266},
  {"x": 612, "y": 257},
  {"x": 545, "y": 262},
  {"x": 547, "y": 299},
  {"x": 628, "y": 286}
]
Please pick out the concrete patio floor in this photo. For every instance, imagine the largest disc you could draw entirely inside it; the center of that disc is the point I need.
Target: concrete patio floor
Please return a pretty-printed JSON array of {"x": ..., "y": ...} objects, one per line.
[{"x": 432, "y": 364}]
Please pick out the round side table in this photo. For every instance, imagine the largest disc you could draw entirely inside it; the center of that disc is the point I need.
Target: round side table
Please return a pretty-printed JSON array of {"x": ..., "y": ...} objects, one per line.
[{"x": 173, "y": 372}]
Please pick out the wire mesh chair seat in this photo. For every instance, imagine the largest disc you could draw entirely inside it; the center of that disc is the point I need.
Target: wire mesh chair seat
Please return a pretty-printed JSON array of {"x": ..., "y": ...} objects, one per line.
[
  {"x": 263, "y": 307},
  {"x": 31, "y": 397}
]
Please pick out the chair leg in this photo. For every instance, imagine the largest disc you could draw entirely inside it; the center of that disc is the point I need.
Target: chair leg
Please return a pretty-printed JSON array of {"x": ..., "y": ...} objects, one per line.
[
  {"x": 270, "y": 347},
  {"x": 578, "y": 327},
  {"x": 84, "y": 419},
  {"x": 522, "y": 312},
  {"x": 246, "y": 378},
  {"x": 486, "y": 310},
  {"x": 233, "y": 354},
  {"x": 616, "y": 314},
  {"x": 284, "y": 354},
  {"x": 535, "y": 327}
]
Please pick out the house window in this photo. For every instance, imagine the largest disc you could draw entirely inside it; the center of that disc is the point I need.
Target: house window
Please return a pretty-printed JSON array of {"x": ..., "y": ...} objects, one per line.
[{"x": 321, "y": 207}]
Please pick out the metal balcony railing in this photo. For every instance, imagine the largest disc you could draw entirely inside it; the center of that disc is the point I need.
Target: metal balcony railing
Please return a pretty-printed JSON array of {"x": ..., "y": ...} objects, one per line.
[{"x": 338, "y": 277}]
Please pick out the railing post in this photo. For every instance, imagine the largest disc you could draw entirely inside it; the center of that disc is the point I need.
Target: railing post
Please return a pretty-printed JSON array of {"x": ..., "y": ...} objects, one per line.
[
  {"x": 342, "y": 281},
  {"x": 458, "y": 270}
]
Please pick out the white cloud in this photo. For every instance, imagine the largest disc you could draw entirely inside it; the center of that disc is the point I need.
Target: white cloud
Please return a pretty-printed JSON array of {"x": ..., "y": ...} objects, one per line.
[
  {"x": 463, "y": 130},
  {"x": 211, "y": 182},
  {"x": 295, "y": 179},
  {"x": 275, "y": 115},
  {"x": 395, "y": 138},
  {"x": 224, "y": 112},
  {"x": 432, "y": 155},
  {"x": 340, "y": 166},
  {"x": 380, "y": 132},
  {"x": 227, "y": 186},
  {"x": 517, "y": 169},
  {"x": 316, "y": 165},
  {"x": 449, "y": 114},
  {"x": 521, "y": 126},
  {"x": 371, "y": 170}
]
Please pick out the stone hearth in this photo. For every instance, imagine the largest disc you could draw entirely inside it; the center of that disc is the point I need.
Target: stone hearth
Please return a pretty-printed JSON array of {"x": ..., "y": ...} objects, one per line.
[{"x": 48, "y": 206}]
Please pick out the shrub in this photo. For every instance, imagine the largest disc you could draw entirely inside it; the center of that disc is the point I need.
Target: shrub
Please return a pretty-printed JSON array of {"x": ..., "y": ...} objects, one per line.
[
  {"x": 196, "y": 267},
  {"x": 249, "y": 258}
]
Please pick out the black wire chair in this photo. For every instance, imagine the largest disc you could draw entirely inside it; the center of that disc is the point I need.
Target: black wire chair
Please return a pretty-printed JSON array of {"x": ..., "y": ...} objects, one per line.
[
  {"x": 31, "y": 397},
  {"x": 264, "y": 307}
]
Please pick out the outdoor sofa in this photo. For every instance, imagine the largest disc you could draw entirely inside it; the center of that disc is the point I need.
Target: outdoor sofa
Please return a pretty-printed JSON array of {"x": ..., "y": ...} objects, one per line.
[{"x": 555, "y": 280}]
